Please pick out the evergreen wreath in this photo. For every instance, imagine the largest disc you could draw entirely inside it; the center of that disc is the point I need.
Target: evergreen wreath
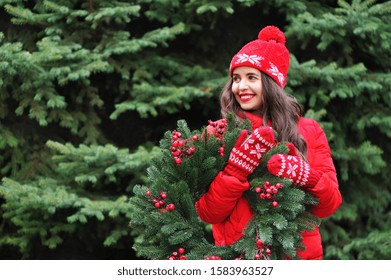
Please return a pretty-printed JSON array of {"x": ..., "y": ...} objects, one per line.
[{"x": 164, "y": 220}]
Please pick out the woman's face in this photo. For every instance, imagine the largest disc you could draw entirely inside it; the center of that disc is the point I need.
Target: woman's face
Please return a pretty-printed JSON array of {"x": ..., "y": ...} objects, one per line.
[{"x": 247, "y": 87}]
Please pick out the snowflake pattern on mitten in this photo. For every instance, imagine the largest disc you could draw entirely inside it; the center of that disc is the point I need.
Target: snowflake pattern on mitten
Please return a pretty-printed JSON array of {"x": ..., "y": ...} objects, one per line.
[
  {"x": 293, "y": 167},
  {"x": 246, "y": 157},
  {"x": 254, "y": 149}
]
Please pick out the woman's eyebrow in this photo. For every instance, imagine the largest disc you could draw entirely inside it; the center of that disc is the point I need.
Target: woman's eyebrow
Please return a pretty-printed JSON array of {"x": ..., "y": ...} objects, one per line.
[{"x": 253, "y": 73}]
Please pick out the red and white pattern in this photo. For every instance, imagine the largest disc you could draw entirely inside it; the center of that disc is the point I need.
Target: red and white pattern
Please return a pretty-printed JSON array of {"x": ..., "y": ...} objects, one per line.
[
  {"x": 241, "y": 160},
  {"x": 294, "y": 168},
  {"x": 273, "y": 70},
  {"x": 245, "y": 157},
  {"x": 267, "y": 53},
  {"x": 253, "y": 59}
]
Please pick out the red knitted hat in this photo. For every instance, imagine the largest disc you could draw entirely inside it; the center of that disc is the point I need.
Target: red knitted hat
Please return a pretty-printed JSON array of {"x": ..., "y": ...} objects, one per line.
[{"x": 267, "y": 54}]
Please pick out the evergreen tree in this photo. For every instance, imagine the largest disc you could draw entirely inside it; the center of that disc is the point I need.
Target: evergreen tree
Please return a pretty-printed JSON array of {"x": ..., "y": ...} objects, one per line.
[
  {"x": 68, "y": 69},
  {"x": 348, "y": 80},
  {"x": 87, "y": 88}
]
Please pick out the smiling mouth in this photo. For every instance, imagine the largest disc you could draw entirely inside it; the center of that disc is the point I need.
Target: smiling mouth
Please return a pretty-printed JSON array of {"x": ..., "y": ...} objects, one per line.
[{"x": 246, "y": 97}]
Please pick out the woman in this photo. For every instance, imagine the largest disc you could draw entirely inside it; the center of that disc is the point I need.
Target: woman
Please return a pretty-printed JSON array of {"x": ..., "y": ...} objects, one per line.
[{"x": 255, "y": 91}]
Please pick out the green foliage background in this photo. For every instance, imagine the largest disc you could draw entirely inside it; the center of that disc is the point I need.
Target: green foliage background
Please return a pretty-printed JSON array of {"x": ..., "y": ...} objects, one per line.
[{"x": 88, "y": 88}]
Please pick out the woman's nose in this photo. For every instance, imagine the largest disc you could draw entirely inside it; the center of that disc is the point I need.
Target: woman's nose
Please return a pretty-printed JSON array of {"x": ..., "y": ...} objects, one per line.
[{"x": 243, "y": 84}]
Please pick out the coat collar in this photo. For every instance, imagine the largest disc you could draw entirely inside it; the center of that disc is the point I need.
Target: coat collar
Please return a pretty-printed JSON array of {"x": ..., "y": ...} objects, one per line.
[{"x": 256, "y": 121}]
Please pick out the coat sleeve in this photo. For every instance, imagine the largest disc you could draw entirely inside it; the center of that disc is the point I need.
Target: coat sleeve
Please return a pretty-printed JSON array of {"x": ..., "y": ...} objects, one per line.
[
  {"x": 218, "y": 202},
  {"x": 326, "y": 190}
]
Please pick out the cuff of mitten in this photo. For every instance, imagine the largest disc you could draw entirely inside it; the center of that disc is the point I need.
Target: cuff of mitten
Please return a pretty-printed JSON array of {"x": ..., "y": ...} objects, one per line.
[
  {"x": 313, "y": 178},
  {"x": 236, "y": 172}
]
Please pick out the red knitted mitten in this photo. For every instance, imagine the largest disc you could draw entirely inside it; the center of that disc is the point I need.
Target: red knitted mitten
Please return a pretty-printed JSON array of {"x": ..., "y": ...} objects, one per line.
[
  {"x": 293, "y": 167},
  {"x": 248, "y": 152}
]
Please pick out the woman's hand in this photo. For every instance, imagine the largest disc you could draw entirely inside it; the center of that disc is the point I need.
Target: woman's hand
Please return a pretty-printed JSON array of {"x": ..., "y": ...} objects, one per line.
[
  {"x": 248, "y": 152},
  {"x": 294, "y": 168}
]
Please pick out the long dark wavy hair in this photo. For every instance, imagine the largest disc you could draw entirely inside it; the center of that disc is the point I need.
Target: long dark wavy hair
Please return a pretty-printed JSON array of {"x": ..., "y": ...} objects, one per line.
[{"x": 280, "y": 108}]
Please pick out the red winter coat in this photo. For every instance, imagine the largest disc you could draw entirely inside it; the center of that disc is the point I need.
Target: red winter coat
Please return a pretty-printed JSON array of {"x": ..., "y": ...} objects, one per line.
[{"x": 228, "y": 211}]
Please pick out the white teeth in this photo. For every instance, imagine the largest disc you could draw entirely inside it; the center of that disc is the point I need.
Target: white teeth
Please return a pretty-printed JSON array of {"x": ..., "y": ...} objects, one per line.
[{"x": 246, "y": 97}]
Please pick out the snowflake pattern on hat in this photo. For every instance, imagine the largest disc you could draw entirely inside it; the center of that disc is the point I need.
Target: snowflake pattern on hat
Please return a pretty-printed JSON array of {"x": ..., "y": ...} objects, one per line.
[
  {"x": 267, "y": 53},
  {"x": 275, "y": 72},
  {"x": 253, "y": 59}
]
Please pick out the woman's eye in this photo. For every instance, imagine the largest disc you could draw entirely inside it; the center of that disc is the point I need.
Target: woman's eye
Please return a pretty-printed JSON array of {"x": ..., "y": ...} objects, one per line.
[{"x": 235, "y": 79}]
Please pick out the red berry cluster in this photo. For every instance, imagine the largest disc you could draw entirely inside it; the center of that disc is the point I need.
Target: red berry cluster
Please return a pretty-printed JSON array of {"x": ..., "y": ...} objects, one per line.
[
  {"x": 212, "y": 258},
  {"x": 159, "y": 202},
  {"x": 221, "y": 151},
  {"x": 262, "y": 253},
  {"x": 219, "y": 131},
  {"x": 181, "y": 148},
  {"x": 219, "y": 127},
  {"x": 268, "y": 191},
  {"x": 178, "y": 255}
]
